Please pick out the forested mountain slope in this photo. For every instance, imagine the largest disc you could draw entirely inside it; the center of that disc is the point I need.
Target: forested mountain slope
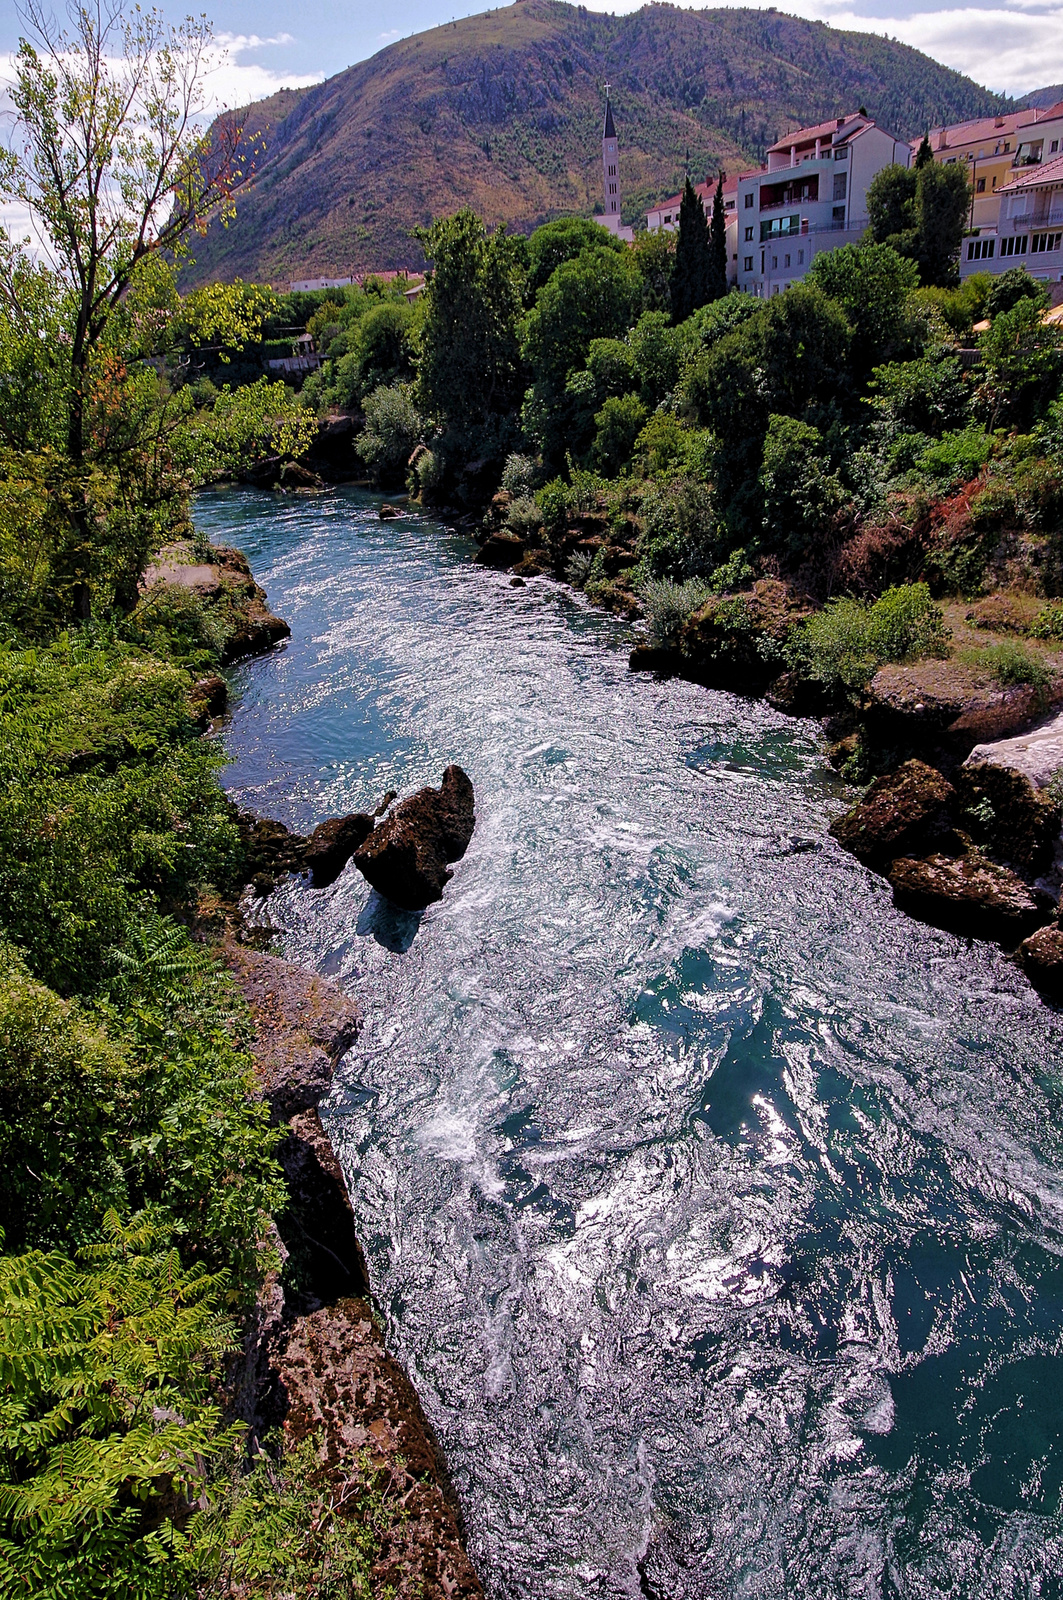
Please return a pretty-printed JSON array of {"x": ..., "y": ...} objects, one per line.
[{"x": 502, "y": 112}]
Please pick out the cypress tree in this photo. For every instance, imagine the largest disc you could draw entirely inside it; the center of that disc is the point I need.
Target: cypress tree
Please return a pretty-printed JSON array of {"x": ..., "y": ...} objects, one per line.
[
  {"x": 691, "y": 276},
  {"x": 718, "y": 245},
  {"x": 924, "y": 154}
]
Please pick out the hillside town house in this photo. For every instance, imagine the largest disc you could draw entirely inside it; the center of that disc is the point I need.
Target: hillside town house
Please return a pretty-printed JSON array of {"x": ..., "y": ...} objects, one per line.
[
  {"x": 1020, "y": 222},
  {"x": 809, "y": 197},
  {"x": 993, "y": 149}
]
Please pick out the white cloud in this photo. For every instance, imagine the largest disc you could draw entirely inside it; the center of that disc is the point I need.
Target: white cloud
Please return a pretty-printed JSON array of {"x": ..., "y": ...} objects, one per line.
[
  {"x": 1011, "y": 48},
  {"x": 232, "y": 82}
]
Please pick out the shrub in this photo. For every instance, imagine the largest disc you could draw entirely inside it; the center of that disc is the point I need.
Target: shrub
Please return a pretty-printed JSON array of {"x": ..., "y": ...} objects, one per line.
[
  {"x": 619, "y": 423},
  {"x": 925, "y": 396},
  {"x": 1010, "y": 662},
  {"x": 1009, "y": 288},
  {"x": 174, "y": 622},
  {"x": 1048, "y": 624},
  {"x": 661, "y": 446},
  {"x": 801, "y": 496},
  {"x": 391, "y": 433},
  {"x": 579, "y": 568},
  {"x": 524, "y": 519},
  {"x": 846, "y": 642},
  {"x": 669, "y": 604},
  {"x": 680, "y": 535},
  {"x": 1022, "y": 363},
  {"x": 520, "y": 476},
  {"x": 957, "y": 457}
]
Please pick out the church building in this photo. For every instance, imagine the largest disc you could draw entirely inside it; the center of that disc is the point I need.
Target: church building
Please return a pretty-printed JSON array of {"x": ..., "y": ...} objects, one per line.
[{"x": 611, "y": 177}]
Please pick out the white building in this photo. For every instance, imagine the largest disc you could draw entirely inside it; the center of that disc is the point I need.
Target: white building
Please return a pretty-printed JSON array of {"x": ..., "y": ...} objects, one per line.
[
  {"x": 611, "y": 178},
  {"x": 812, "y": 196},
  {"x": 664, "y": 217},
  {"x": 1029, "y": 230}
]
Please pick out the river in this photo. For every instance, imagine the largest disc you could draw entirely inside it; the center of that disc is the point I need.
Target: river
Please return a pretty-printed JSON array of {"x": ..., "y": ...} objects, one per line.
[{"x": 714, "y": 1207}]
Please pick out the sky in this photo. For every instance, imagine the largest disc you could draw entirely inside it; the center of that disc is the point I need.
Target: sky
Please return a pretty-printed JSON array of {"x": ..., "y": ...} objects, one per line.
[{"x": 1008, "y": 45}]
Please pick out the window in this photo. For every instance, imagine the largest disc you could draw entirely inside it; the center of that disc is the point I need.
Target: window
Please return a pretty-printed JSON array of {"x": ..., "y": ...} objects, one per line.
[
  {"x": 1015, "y": 246},
  {"x": 980, "y": 249},
  {"x": 749, "y": 199},
  {"x": 780, "y": 227},
  {"x": 839, "y": 185},
  {"x": 838, "y": 215},
  {"x": 1045, "y": 241},
  {"x": 786, "y": 261},
  {"x": 749, "y": 236},
  {"x": 748, "y": 266},
  {"x": 994, "y": 183},
  {"x": 800, "y": 258},
  {"x": 841, "y": 153},
  {"x": 668, "y": 218},
  {"x": 980, "y": 186},
  {"x": 774, "y": 263},
  {"x": 1054, "y": 146}
]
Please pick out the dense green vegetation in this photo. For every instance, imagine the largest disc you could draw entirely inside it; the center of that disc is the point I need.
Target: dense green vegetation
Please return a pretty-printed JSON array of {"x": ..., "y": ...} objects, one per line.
[{"x": 138, "y": 1179}]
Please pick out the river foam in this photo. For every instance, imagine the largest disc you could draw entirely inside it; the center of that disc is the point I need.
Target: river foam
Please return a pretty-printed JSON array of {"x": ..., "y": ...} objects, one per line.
[{"x": 715, "y": 1207}]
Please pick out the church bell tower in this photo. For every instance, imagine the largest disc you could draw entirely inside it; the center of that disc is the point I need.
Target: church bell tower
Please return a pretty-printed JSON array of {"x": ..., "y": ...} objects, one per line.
[{"x": 611, "y": 175}]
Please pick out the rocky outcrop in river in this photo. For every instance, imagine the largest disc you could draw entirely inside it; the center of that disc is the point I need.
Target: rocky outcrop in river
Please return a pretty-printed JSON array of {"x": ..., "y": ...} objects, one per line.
[
  {"x": 314, "y": 1360},
  {"x": 407, "y": 858}
]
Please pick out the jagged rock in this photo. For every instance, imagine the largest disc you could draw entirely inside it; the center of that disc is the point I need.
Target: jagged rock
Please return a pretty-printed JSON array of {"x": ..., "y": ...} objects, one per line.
[
  {"x": 293, "y": 475},
  {"x": 517, "y": 583},
  {"x": 798, "y": 696},
  {"x": 500, "y": 550},
  {"x": 209, "y": 697},
  {"x": 303, "y": 1025},
  {"x": 332, "y": 844},
  {"x": 939, "y": 711},
  {"x": 270, "y": 849},
  {"x": 1002, "y": 810},
  {"x": 728, "y": 641},
  {"x": 646, "y": 658},
  {"x": 406, "y": 858},
  {"x": 256, "y": 631},
  {"x": 969, "y": 895},
  {"x": 345, "y": 1390},
  {"x": 1041, "y": 958},
  {"x": 325, "y": 1260},
  {"x": 389, "y": 513},
  {"x": 903, "y": 814}
]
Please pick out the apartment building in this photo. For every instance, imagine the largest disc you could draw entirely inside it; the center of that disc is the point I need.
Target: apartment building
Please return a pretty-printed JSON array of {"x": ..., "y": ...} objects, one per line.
[
  {"x": 811, "y": 196},
  {"x": 993, "y": 149},
  {"x": 1029, "y": 226},
  {"x": 665, "y": 215}
]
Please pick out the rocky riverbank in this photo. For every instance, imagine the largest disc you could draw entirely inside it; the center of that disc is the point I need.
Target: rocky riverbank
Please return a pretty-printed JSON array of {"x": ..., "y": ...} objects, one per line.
[
  {"x": 964, "y": 815},
  {"x": 314, "y": 1361}
]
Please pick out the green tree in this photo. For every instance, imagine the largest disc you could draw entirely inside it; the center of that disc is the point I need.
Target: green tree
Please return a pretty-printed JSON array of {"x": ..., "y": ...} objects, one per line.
[
  {"x": 1012, "y": 286},
  {"x": 802, "y": 497},
  {"x": 1022, "y": 361},
  {"x": 942, "y": 202},
  {"x": 870, "y": 284},
  {"x": 469, "y": 368},
  {"x": 718, "y": 244},
  {"x": 109, "y": 161},
  {"x": 891, "y": 208},
  {"x": 560, "y": 241},
  {"x": 692, "y": 284},
  {"x": 619, "y": 423}
]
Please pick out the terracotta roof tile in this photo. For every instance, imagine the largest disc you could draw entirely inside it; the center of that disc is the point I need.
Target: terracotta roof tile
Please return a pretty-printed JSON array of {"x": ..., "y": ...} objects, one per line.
[{"x": 1034, "y": 177}]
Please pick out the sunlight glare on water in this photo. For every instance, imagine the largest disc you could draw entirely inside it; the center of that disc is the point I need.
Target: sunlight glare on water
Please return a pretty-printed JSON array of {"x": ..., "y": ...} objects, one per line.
[{"x": 714, "y": 1207}]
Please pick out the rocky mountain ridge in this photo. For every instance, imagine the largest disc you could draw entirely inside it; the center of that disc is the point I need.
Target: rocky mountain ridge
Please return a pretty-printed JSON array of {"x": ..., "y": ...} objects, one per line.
[{"x": 502, "y": 111}]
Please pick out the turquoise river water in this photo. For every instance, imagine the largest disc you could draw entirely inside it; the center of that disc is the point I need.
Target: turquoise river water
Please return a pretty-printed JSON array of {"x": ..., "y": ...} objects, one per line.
[{"x": 714, "y": 1207}]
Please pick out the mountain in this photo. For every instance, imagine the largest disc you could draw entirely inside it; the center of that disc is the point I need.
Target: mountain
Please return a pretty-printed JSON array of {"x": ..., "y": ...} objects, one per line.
[
  {"x": 503, "y": 112},
  {"x": 1038, "y": 98}
]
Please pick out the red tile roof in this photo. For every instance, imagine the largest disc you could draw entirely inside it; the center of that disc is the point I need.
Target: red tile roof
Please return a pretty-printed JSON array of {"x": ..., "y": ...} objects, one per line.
[
  {"x": 958, "y": 133},
  {"x": 706, "y": 191},
  {"x": 1034, "y": 177},
  {"x": 822, "y": 130}
]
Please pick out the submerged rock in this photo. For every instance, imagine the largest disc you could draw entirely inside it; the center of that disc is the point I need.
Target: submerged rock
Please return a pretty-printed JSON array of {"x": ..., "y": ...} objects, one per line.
[
  {"x": 332, "y": 844},
  {"x": 1041, "y": 958},
  {"x": 407, "y": 857},
  {"x": 969, "y": 895},
  {"x": 903, "y": 814}
]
